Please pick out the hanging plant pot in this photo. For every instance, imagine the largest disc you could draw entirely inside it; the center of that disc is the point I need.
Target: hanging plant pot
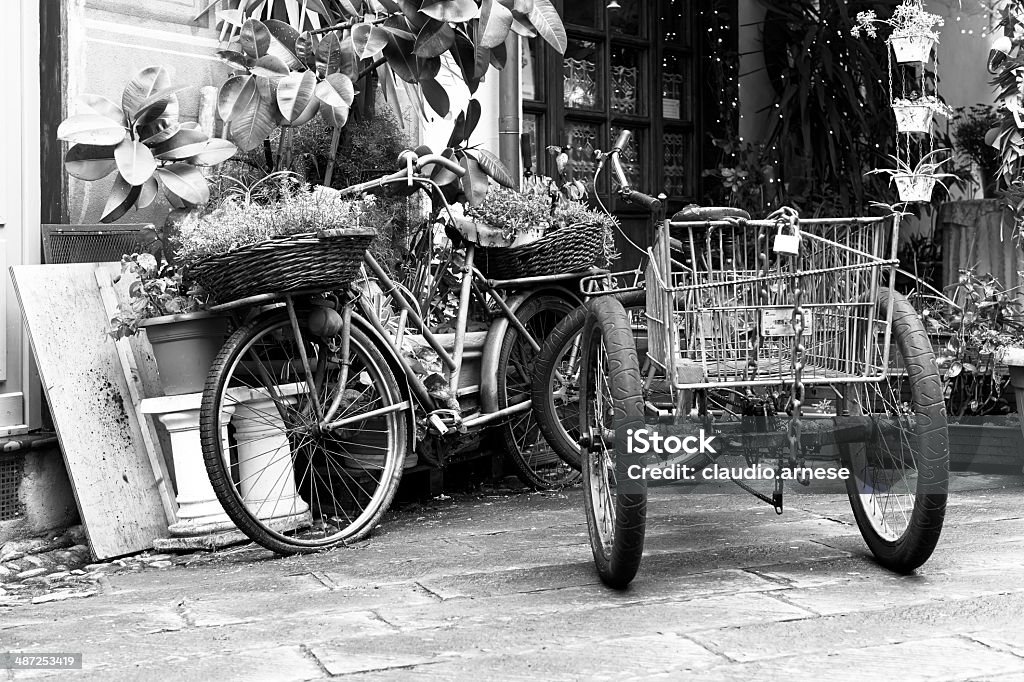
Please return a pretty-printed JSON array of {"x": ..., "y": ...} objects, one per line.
[
  {"x": 915, "y": 188},
  {"x": 914, "y": 118},
  {"x": 912, "y": 48},
  {"x": 184, "y": 347}
]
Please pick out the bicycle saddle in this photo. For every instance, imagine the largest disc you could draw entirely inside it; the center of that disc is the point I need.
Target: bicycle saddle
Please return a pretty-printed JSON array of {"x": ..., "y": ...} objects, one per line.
[{"x": 693, "y": 213}]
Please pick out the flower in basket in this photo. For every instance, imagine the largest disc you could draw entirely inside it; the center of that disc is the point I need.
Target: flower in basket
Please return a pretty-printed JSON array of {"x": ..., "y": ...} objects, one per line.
[
  {"x": 144, "y": 140},
  {"x": 155, "y": 291},
  {"x": 908, "y": 19}
]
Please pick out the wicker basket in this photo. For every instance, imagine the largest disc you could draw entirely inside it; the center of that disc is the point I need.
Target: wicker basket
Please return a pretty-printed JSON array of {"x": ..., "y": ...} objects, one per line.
[
  {"x": 572, "y": 248},
  {"x": 300, "y": 262}
]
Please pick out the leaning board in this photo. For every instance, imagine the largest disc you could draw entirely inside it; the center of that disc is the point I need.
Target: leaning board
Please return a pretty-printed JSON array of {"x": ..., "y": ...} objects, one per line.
[{"x": 104, "y": 450}]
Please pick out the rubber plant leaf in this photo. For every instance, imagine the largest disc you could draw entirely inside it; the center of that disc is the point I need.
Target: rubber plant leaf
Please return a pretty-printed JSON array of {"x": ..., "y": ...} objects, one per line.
[
  {"x": 434, "y": 39},
  {"x": 270, "y": 66},
  {"x": 305, "y": 49},
  {"x": 236, "y": 96},
  {"x": 474, "y": 182},
  {"x": 135, "y": 162},
  {"x": 147, "y": 196},
  {"x": 147, "y": 83},
  {"x": 283, "y": 39},
  {"x": 493, "y": 166},
  {"x": 495, "y": 23},
  {"x": 455, "y": 11},
  {"x": 294, "y": 93},
  {"x": 336, "y": 90},
  {"x": 90, "y": 162},
  {"x": 91, "y": 129},
  {"x": 214, "y": 151},
  {"x": 186, "y": 182},
  {"x": 436, "y": 96},
  {"x": 368, "y": 40},
  {"x": 255, "y": 123},
  {"x": 186, "y": 143},
  {"x": 255, "y": 39},
  {"x": 96, "y": 104},
  {"x": 122, "y": 197}
]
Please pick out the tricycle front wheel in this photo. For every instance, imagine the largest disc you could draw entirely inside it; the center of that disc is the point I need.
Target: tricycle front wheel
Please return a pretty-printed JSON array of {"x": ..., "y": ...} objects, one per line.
[{"x": 611, "y": 399}]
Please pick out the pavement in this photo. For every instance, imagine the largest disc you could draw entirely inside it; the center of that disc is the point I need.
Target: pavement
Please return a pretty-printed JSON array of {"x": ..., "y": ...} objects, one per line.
[{"x": 500, "y": 584}]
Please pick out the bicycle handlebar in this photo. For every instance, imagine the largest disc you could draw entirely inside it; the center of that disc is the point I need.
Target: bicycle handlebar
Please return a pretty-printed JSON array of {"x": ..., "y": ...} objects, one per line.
[
  {"x": 631, "y": 195},
  {"x": 413, "y": 163}
]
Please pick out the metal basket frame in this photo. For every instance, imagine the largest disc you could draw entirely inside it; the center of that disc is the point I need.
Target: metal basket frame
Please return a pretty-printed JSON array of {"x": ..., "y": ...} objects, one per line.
[{"x": 716, "y": 312}]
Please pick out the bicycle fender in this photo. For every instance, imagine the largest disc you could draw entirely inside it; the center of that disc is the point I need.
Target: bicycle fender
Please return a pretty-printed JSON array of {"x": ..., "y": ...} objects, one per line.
[{"x": 496, "y": 334}]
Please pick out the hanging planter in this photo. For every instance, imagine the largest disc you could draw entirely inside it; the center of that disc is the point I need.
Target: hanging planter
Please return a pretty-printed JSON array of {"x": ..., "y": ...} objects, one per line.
[
  {"x": 915, "y": 188},
  {"x": 912, "y": 48},
  {"x": 913, "y": 118}
]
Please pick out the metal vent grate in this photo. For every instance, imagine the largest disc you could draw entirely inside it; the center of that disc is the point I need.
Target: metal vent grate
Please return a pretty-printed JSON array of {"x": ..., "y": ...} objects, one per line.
[
  {"x": 10, "y": 481},
  {"x": 89, "y": 243}
]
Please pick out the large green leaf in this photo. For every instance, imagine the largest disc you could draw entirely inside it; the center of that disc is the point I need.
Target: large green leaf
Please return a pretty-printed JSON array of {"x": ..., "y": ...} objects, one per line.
[
  {"x": 455, "y": 11},
  {"x": 254, "y": 123},
  {"x": 493, "y": 166},
  {"x": 147, "y": 83},
  {"x": 458, "y": 135},
  {"x": 235, "y": 96},
  {"x": 185, "y": 182},
  {"x": 186, "y": 143},
  {"x": 495, "y": 23},
  {"x": 294, "y": 93},
  {"x": 473, "y": 110},
  {"x": 305, "y": 49},
  {"x": 335, "y": 117},
  {"x": 236, "y": 60},
  {"x": 474, "y": 183},
  {"x": 434, "y": 39},
  {"x": 148, "y": 194},
  {"x": 166, "y": 108},
  {"x": 158, "y": 131},
  {"x": 368, "y": 40},
  {"x": 441, "y": 175},
  {"x": 255, "y": 39},
  {"x": 95, "y": 104},
  {"x": 336, "y": 56},
  {"x": 135, "y": 162},
  {"x": 90, "y": 129},
  {"x": 407, "y": 66},
  {"x": 270, "y": 66},
  {"x": 336, "y": 90},
  {"x": 436, "y": 96},
  {"x": 89, "y": 162},
  {"x": 121, "y": 198},
  {"x": 283, "y": 39},
  {"x": 545, "y": 19},
  {"x": 214, "y": 151},
  {"x": 521, "y": 26}
]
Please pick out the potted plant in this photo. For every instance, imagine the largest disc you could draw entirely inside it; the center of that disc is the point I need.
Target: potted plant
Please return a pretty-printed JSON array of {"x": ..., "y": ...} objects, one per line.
[
  {"x": 916, "y": 115},
  {"x": 144, "y": 140},
  {"x": 913, "y": 35},
  {"x": 184, "y": 337},
  {"x": 915, "y": 184}
]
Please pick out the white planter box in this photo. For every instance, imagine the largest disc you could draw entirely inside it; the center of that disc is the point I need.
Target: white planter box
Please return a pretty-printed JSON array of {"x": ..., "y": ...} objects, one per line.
[
  {"x": 912, "y": 48},
  {"x": 914, "y": 118},
  {"x": 915, "y": 188}
]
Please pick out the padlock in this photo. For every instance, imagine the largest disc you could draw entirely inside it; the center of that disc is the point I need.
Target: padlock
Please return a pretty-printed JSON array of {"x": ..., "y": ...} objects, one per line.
[{"x": 788, "y": 244}]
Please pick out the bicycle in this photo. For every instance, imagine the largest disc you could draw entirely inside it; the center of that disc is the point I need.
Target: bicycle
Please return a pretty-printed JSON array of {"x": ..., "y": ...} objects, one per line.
[
  {"x": 745, "y": 319},
  {"x": 311, "y": 408}
]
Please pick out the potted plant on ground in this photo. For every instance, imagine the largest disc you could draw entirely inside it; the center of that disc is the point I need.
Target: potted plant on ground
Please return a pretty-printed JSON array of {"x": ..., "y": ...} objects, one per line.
[
  {"x": 184, "y": 337},
  {"x": 915, "y": 184},
  {"x": 144, "y": 140},
  {"x": 913, "y": 35},
  {"x": 916, "y": 115}
]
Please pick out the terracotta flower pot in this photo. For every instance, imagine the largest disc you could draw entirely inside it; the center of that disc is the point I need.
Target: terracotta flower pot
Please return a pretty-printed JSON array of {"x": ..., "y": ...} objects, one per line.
[
  {"x": 184, "y": 347},
  {"x": 909, "y": 49}
]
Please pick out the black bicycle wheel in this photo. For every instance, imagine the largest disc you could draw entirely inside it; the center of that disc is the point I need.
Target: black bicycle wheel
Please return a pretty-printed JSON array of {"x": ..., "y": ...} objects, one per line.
[
  {"x": 611, "y": 399},
  {"x": 288, "y": 482},
  {"x": 556, "y": 381},
  {"x": 900, "y": 472},
  {"x": 536, "y": 462}
]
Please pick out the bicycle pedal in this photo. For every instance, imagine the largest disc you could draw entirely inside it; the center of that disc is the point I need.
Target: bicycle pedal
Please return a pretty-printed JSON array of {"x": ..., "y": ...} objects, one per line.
[{"x": 444, "y": 422}]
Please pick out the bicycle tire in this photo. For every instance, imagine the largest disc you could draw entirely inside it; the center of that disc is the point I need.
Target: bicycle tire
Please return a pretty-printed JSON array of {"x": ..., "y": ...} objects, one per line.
[
  {"x": 536, "y": 462},
  {"x": 345, "y": 478},
  {"x": 924, "y": 446},
  {"x": 616, "y": 521},
  {"x": 555, "y": 397}
]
